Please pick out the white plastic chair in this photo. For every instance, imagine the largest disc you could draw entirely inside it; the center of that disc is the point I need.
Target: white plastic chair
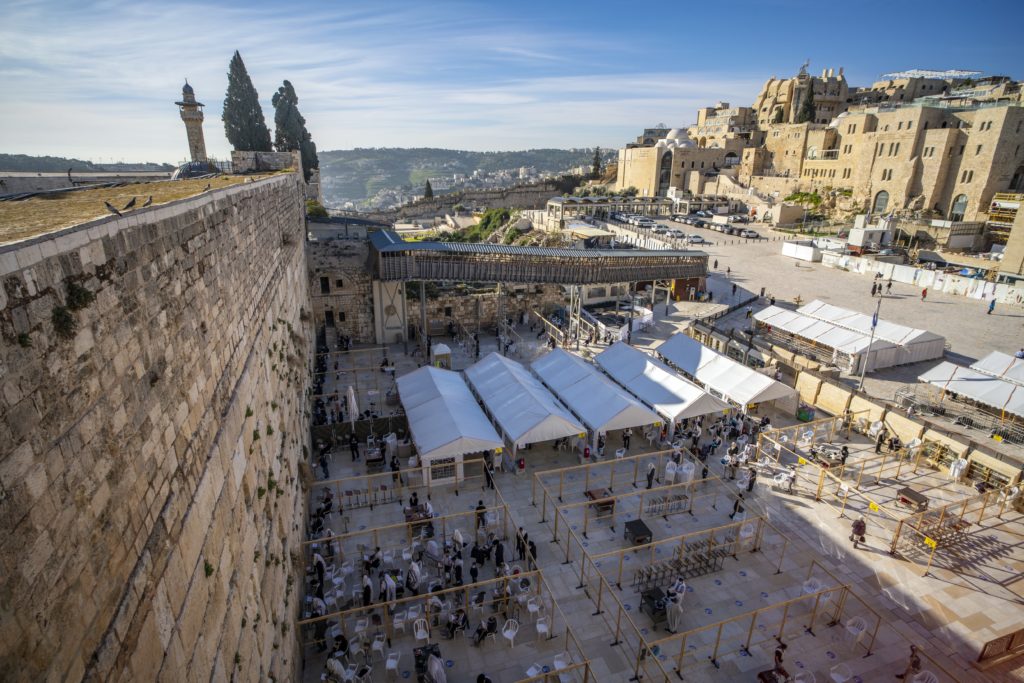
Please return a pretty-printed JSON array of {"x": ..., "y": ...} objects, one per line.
[
  {"x": 747, "y": 531},
  {"x": 925, "y": 677},
  {"x": 804, "y": 677},
  {"x": 543, "y": 628},
  {"x": 533, "y": 607},
  {"x": 391, "y": 665},
  {"x": 421, "y": 630},
  {"x": 855, "y": 628},
  {"x": 398, "y": 621},
  {"x": 414, "y": 613},
  {"x": 620, "y": 453},
  {"x": 685, "y": 472},
  {"x": 811, "y": 586},
  {"x": 349, "y": 674},
  {"x": 509, "y": 631},
  {"x": 840, "y": 673},
  {"x": 670, "y": 472},
  {"x": 534, "y": 670},
  {"x": 563, "y": 660},
  {"x": 379, "y": 641},
  {"x": 360, "y": 630}
]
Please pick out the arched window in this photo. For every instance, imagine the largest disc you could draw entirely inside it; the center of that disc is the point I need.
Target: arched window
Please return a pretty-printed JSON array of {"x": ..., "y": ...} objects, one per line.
[
  {"x": 1017, "y": 184},
  {"x": 703, "y": 143},
  {"x": 959, "y": 208},
  {"x": 731, "y": 159},
  {"x": 881, "y": 202},
  {"x": 665, "y": 174}
]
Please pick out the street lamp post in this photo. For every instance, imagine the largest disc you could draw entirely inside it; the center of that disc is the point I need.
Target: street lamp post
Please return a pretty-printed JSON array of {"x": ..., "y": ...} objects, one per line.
[{"x": 871, "y": 342}]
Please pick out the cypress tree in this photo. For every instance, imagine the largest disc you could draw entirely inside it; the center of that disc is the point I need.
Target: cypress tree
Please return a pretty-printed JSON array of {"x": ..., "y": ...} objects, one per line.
[
  {"x": 290, "y": 132},
  {"x": 428, "y": 191},
  {"x": 595, "y": 172},
  {"x": 806, "y": 113},
  {"x": 244, "y": 125}
]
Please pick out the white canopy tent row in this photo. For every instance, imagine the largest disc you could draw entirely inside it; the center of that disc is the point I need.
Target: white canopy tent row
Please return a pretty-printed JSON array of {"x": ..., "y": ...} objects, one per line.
[
  {"x": 599, "y": 403},
  {"x": 671, "y": 396},
  {"x": 1002, "y": 394},
  {"x": 724, "y": 377},
  {"x": 847, "y": 348},
  {"x": 445, "y": 421},
  {"x": 913, "y": 345},
  {"x": 521, "y": 407},
  {"x": 1003, "y": 366}
]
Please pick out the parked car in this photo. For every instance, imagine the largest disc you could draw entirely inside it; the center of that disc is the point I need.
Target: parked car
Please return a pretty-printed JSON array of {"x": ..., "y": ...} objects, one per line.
[
  {"x": 696, "y": 239},
  {"x": 750, "y": 234},
  {"x": 699, "y": 224},
  {"x": 660, "y": 229}
]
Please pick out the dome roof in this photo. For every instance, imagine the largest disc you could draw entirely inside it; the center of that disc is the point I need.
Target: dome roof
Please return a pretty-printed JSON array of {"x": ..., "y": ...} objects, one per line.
[
  {"x": 677, "y": 137},
  {"x": 187, "y": 89}
]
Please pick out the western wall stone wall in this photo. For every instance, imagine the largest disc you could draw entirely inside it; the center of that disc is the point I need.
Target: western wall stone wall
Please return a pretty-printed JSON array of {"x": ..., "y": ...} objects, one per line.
[{"x": 150, "y": 436}]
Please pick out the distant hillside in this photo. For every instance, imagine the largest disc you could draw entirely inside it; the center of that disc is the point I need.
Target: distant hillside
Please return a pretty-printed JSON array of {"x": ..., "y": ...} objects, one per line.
[
  {"x": 355, "y": 174},
  {"x": 31, "y": 164}
]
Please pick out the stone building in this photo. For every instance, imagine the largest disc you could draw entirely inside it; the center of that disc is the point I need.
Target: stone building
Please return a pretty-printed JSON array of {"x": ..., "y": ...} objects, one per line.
[
  {"x": 654, "y": 170},
  {"x": 780, "y": 99},
  {"x": 730, "y": 128},
  {"x": 192, "y": 115}
]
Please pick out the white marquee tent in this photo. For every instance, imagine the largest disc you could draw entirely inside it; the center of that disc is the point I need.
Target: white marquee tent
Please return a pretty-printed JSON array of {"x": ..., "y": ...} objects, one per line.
[
  {"x": 913, "y": 344},
  {"x": 1001, "y": 394},
  {"x": 598, "y": 402},
  {"x": 854, "y": 347},
  {"x": 524, "y": 410},
  {"x": 650, "y": 380},
  {"x": 444, "y": 418},
  {"x": 1003, "y": 366},
  {"x": 722, "y": 375}
]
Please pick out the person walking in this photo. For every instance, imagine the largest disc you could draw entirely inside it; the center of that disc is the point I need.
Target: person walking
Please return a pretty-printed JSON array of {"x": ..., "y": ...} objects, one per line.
[
  {"x": 737, "y": 506},
  {"x": 734, "y": 289},
  {"x": 531, "y": 562},
  {"x": 626, "y": 434},
  {"x": 879, "y": 440},
  {"x": 750, "y": 481},
  {"x": 874, "y": 288},
  {"x": 888, "y": 287},
  {"x": 323, "y": 465},
  {"x": 489, "y": 475},
  {"x": 353, "y": 446},
  {"x": 991, "y": 306},
  {"x": 481, "y": 511},
  {"x": 858, "y": 531},
  {"x": 924, "y": 294},
  {"x": 913, "y": 665},
  {"x": 520, "y": 544},
  {"x": 499, "y": 554},
  {"x": 716, "y": 264},
  {"x": 650, "y": 474}
]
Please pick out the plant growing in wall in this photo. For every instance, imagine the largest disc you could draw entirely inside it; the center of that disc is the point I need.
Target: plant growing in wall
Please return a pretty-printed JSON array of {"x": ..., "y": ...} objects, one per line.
[
  {"x": 208, "y": 568},
  {"x": 24, "y": 341},
  {"x": 64, "y": 324},
  {"x": 78, "y": 296},
  {"x": 248, "y": 412}
]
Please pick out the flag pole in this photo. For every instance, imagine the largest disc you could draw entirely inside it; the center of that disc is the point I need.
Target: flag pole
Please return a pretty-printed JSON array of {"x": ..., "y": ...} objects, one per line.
[{"x": 874, "y": 324}]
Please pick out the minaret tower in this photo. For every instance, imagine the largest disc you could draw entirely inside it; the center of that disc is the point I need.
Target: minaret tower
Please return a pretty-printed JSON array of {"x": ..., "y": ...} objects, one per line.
[{"x": 192, "y": 114}]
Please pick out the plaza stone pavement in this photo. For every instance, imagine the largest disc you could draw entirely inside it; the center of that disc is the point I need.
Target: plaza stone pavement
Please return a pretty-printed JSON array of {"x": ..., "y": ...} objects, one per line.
[{"x": 938, "y": 612}]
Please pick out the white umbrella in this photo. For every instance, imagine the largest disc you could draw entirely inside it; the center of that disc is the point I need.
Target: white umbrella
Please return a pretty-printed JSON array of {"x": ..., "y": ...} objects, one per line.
[{"x": 353, "y": 407}]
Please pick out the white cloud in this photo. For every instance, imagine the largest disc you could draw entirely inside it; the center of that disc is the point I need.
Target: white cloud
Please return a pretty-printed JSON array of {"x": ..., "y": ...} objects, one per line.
[{"x": 100, "y": 80}]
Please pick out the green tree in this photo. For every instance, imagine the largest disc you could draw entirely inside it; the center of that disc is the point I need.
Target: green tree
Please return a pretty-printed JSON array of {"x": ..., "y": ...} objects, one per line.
[
  {"x": 428, "y": 191},
  {"x": 244, "y": 125},
  {"x": 806, "y": 112},
  {"x": 595, "y": 172},
  {"x": 290, "y": 132}
]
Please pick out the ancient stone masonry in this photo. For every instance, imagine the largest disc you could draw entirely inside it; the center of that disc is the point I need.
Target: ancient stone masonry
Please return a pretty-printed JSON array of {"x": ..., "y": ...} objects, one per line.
[{"x": 152, "y": 370}]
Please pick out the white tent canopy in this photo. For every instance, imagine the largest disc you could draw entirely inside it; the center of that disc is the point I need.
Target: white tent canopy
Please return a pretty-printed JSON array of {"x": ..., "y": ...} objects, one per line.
[
  {"x": 1003, "y": 366},
  {"x": 977, "y": 386},
  {"x": 735, "y": 381},
  {"x": 524, "y": 410},
  {"x": 444, "y": 418},
  {"x": 879, "y": 353},
  {"x": 600, "y": 404},
  {"x": 650, "y": 380}
]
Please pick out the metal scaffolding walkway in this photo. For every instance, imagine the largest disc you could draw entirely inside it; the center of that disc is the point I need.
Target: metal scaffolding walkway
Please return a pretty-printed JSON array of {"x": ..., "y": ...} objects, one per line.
[{"x": 391, "y": 258}]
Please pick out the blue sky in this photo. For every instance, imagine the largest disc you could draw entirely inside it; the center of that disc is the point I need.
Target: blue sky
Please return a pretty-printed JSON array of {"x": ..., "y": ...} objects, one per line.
[{"x": 98, "y": 80}]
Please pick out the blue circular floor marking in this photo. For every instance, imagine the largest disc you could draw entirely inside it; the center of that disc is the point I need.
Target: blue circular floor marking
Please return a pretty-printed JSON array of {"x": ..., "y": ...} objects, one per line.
[
  {"x": 760, "y": 627},
  {"x": 739, "y": 603},
  {"x": 691, "y": 647},
  {"x": 449, "y": 663},
  {"x": 657, "y": 551},
  {"x": 799, "y": 664},
  {"x": 718, "y": 582},
  {"x": 362, "y": 526},
  {"x": 406, "y": 674},
  {"x": 574, "y": 527},
  {"x": 743, "y": 653},
  {"x": 545, "y": 668},
  {"x": 689, "y": 589},
  {"x": 597, "y": 564},
  {"x": 707, "y": 610},
  {"x": 663, "y": 657},
  {"x": 858, "y": 679},
  {"x": 742, "y": 573},
  {"x": 643, "y": 631},
  {"x": 585, "y": 544},
  {"x": 628, "y": 607},
  {"x": 830, "y": 654},
  {"x": 763, "y": 594},
  {"x": 628, "y": 558}
]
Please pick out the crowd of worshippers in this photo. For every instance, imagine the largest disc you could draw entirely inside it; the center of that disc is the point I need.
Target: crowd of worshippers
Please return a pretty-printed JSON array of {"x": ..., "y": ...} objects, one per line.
[
  {"x": 740, "y": 431},
  {"x": 381, "y": 578}
]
